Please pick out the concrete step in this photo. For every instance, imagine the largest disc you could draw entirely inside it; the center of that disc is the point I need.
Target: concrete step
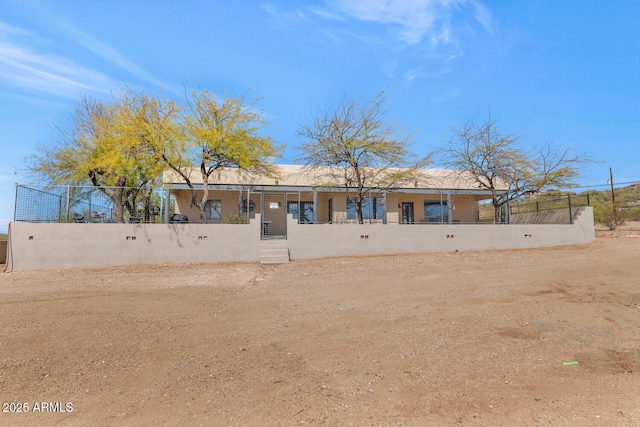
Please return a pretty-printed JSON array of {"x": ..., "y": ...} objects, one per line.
[{"x": 274, "y": 252}]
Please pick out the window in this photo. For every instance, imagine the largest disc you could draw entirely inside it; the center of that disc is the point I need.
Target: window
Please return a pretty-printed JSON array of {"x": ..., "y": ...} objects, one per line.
[
  {"x": 213, "y": 209},
  {"x": 307, "y": 211},
  {"x": 435, "y": 211},
  {"x": 371, "y": 208}
]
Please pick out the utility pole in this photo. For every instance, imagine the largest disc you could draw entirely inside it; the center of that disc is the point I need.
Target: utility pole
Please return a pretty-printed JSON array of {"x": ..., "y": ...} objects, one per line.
[{"x": 613, "y": 197}]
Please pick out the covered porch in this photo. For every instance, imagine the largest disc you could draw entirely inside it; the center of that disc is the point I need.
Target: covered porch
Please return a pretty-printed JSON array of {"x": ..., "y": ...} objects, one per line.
[{"x": 235, "y": 204}]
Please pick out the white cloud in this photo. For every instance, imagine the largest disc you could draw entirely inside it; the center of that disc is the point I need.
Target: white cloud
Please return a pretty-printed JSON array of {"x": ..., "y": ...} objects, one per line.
[
  {"x": 413, "y": 20},
  {"x": 10, "y": 29},
  {"x": 410, "y": 75},
  {"x": 22, "y": 66},
  {"x": 112, "y": 56},
  {"x": 31, "y": 70},
  {"x": 323, "y": 13},
  {"x": 451, "y": 93},
  {"x": 285, "y": 18},
  {"x": 410, "y": 39},
  {"x": 23, "y": 63},
  {"x": 483, "y": 15}
]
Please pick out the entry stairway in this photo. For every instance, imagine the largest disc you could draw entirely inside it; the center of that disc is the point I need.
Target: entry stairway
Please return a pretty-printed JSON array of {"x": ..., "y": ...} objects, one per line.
[{"x": 274, "y": 251}]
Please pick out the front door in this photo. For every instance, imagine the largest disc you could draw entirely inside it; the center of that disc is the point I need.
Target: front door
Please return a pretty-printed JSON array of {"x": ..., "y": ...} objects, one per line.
[
  {"x": 407, "y": 212},
  {"x": 274, "y": 216}
]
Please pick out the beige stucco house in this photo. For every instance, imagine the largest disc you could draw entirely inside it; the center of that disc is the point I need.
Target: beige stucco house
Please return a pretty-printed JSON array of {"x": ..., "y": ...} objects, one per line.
[
  {"x": 297, "y": 216},
  {"x": 436, "y": 196}
]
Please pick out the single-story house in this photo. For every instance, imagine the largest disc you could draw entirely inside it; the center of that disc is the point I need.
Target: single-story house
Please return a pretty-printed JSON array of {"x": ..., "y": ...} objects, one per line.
[
  {"x": 297, "y": 216},
  {"x": 435, "y": 196}
]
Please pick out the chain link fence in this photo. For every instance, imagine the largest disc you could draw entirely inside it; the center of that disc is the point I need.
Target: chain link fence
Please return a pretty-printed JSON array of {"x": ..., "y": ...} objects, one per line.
[{"x": 68, "y": 203}]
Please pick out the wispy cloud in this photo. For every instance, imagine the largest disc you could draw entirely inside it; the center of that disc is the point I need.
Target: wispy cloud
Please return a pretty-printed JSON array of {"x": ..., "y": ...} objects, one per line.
[
  {"x": 451, "y": 93},
  {"x": 34, "y": 71},
  {"x": 23, "y": 66},
  {"x": 285, "y": 18},
  {"x": 29, "y": 60},
  {"x": 414, "y": 21},
  {"x": 10, "y": 29},
  {"x": 106, "y": 52},
  {"x": 414, "y": 39}
]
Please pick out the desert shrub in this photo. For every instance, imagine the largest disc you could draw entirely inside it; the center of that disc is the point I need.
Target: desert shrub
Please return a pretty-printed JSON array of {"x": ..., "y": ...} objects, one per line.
[
  {"x": 235, "y": 219},
  {"x": 603, "y": 214}
]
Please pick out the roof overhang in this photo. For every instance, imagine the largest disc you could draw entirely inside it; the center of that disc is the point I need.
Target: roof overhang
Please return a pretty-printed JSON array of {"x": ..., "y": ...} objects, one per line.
[{"x": 295, "y": 189}]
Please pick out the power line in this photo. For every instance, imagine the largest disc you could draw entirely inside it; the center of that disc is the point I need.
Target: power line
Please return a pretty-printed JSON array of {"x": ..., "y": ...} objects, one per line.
[{"x": 608, "y": 184}]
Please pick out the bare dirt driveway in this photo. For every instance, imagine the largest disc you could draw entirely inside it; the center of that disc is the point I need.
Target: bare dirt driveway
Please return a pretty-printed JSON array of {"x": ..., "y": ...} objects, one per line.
[{"x": 542, "y": 337}]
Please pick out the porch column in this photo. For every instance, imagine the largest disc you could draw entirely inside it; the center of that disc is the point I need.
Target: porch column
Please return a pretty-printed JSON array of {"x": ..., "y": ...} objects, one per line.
[
  {"x": 449, "y": 208},
  {"x": 315, "y": 206},
  {"x": 248, "y": 202},
  {"x": 384, "y": 202},
  {"x": 167, "y": 202},
  {"x": 507, "y": 212},
  {"x": 240, "y": 201}
]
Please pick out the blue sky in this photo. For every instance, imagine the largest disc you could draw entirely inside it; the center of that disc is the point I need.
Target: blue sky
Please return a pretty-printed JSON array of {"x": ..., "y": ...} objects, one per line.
[{"x": 561, "y": 72}]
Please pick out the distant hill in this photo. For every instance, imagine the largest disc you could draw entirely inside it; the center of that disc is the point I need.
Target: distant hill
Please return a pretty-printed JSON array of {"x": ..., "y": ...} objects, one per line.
[
  {"x": 627, "y": 203},
  {"x": 3, "y": 237}
]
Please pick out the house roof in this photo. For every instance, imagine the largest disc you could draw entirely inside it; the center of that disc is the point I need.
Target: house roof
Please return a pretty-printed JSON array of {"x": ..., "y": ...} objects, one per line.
[{"x": 297, "y": 176}]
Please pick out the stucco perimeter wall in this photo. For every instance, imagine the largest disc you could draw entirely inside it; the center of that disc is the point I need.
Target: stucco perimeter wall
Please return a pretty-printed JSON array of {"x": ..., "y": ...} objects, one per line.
[
  {"x": 40, "y": 246},
  {"x": 325, "y": 240}
]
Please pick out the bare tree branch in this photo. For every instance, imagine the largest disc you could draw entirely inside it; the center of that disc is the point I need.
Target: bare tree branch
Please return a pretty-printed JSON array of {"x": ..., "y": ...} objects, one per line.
[
  {"x": 493, "y": 159},
  {"x": 355, "y": 147}
]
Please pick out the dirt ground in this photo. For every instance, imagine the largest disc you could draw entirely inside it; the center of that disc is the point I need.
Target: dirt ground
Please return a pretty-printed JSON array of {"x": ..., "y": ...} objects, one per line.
[{"x": 543, "y": 337}]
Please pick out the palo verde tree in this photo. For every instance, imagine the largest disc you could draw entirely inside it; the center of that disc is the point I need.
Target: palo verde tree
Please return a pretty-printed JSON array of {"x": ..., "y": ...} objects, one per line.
[
  {"x": 492, "y": 158},
  {"x": 152, "y": 124},
  {"x": 355, "y": 147},
  {"x": 97, "y": 149},
  {"x": 218, "y": 133}
]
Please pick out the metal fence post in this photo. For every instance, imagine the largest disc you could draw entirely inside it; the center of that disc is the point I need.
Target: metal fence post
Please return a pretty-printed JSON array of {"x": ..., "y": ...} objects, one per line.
[
  {"x": 507, "y": 212},
  {"x": 167, "y": 201},
  {"x": 249, "y": 202},
  {"x": 15, "y": 203},
  {"x": 66, "y": 218},
  {"x": 570, "y": 214}
]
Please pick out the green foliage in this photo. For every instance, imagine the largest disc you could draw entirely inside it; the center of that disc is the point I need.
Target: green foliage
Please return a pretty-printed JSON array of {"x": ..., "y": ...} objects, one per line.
[
  {"x": 123, "y": 146},
  {"x": 235, "y": 219},
  {"x": 627, "y": 206},
  {"x": 218, "y": 133},
  {"x": 104, "y": 145},
  {"x": 604, "y": 214}
]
